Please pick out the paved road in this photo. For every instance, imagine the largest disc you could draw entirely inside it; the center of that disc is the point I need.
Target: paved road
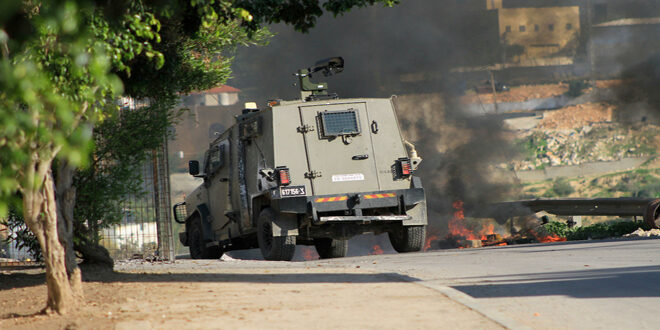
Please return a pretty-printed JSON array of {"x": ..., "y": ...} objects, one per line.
[{"x": 577, "y": 285}]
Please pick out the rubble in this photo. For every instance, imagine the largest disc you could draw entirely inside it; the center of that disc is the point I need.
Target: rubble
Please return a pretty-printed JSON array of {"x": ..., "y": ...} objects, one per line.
[
  {"x": 644, "y": 233},
  {"x": 597, "y": 142}
]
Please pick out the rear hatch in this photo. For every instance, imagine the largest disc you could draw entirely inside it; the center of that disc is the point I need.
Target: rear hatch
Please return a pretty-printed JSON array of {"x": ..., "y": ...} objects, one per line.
[{"x": 351, "y": 147}]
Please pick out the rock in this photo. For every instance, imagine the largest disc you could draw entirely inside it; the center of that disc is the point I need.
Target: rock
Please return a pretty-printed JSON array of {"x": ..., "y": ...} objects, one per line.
[
  {"x": 643, "y": 233},
  {"x": 470, "y": 243}
]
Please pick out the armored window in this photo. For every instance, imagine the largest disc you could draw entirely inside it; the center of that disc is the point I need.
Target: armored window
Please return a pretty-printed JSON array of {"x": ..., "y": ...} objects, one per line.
[
  {"x": 216, "y": 158},
  {"x": 337, "y": 123}
]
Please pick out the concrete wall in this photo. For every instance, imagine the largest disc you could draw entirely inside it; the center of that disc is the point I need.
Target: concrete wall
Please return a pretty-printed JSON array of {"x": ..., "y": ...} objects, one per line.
[{"x": 586, "y": 169}]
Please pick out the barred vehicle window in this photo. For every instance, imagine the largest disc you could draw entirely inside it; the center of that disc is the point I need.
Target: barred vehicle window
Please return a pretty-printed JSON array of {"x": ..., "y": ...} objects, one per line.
[{"x": 337, "y": 123}]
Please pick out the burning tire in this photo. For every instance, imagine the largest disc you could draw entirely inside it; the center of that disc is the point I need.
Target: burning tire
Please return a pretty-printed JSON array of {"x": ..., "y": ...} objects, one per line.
[
  {"x": 198, "y": 248},
  {"x": 331, "y": 248},
  {"x": 273, "y": 247},
  {"x": 408, "y": 238},
  {"x": 652, "y": 213}
]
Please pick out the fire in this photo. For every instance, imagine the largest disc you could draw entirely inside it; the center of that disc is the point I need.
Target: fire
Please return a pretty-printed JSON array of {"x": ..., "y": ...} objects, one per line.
[
  {"x": 430, "y": 240},
  {"x": 547, "y": 238},
  {"x": 457, "y": 226},
  {"x": 376, "y": 249},
  {"x": 309, "y": 253},
  {"x": 461, "y": 236}
]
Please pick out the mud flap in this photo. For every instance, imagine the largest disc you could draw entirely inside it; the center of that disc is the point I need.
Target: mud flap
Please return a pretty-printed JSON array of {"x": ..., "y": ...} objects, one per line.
[
  {"x": 418, "y": 214},
  {"x": 207, "y": 219},
  {"x": 285, "y": 225}
]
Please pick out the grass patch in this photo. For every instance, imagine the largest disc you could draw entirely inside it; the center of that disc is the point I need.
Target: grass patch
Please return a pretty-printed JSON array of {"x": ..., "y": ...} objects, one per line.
[
  {"x": 560, "y": 187},
  {"x": 595, "y": 231},
  {"x": 532, "y": 146}
]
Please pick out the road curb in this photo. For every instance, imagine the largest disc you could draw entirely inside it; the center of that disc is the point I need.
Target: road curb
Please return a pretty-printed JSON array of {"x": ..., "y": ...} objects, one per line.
[{"x": 464, "y": 300}]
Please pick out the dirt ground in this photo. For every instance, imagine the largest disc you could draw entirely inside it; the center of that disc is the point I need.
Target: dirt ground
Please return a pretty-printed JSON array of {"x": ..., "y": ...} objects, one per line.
[
  {"x": 577, "y": 116},
  {"x": 193, "y": 294},
  {"x": 517, "y": 93}
]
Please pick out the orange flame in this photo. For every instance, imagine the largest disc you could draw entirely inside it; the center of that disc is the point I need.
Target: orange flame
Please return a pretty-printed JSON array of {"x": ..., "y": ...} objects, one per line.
[
  {"x": 547, "y": 238},
  {"x": 309, "y": 253},
  {"x": 376, "y": 249},
  {"x": 430, "y": 240},
  {"x": 457, "y": 226}
]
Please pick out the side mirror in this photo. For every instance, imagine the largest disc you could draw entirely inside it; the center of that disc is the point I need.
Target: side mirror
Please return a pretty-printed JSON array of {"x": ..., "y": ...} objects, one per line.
[{"x": 193, "y": 167}]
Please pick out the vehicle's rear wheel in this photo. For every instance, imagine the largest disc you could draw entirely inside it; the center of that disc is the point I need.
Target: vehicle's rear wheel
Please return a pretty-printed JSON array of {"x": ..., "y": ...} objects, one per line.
[
  {"x": 331, "y": 248},
  {"x": 198, "y": 249},
  {"x": 273, "y": 247},
  {"x": 408, "y": 238}
]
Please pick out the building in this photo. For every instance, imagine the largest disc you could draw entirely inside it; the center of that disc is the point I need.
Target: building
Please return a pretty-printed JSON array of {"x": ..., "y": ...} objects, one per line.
[{"x": 206, "y": 115}]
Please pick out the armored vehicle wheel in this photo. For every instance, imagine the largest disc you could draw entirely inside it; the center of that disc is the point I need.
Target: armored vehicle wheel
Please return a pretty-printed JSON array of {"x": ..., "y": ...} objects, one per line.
[
  {"x": 198, "y": 249},
  {"x": 408, "y": 238},
  {"x": 273, "y": 247},
  {"x": 331, "y": 248},
  {"x": 652, "y": 214}
]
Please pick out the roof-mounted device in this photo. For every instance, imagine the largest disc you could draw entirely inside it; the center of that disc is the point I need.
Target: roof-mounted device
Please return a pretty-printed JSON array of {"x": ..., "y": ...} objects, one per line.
[{"x": 310, "y": 91}]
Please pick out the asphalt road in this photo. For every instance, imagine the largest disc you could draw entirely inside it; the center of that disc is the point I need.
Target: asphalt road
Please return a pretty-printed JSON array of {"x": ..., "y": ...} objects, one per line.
[{"x": 612, "y": 284}]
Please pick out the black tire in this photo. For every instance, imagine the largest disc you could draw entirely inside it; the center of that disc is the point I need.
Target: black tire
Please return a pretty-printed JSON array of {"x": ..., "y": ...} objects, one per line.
[
  {"x": 408, "y": 238},
  {"x": 279, "y": 248},
  {"x": 198, "y": 249},
  {"x": 331, "y": 248},
  {"x": 652, "y": 213}
]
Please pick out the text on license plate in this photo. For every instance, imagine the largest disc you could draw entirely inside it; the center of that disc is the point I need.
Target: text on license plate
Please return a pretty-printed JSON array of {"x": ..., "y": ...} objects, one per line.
[{"x": 293, "y": 191}]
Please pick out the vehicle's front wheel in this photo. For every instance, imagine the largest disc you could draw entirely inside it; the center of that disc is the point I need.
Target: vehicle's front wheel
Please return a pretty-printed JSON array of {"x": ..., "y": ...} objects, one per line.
[
  {"x": 198, "y": 249},
  {"x": 408, "y": 238},
  {"x": 273, "y": 247},
  {"x": 331, "y": 248}
]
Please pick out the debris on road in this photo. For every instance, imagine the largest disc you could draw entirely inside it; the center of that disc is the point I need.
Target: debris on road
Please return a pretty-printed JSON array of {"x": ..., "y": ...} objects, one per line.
[{"x": 644, "y": 233}]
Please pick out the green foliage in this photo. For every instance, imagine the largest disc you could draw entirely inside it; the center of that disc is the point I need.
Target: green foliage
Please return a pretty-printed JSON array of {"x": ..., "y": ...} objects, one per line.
[
  {"x": 640, "y": 183},
  {"x": 123, "y": 143},
  {"x": 561, "y": 187},
  {"x": 556, "y": 228},
  {"x": 595, "y": 231},
  {"x": 302, "y": 14},
  {"x": 20, "y": 234},
  {"x": 52, "y": 82},
  {"x": 532, "y": 146}
]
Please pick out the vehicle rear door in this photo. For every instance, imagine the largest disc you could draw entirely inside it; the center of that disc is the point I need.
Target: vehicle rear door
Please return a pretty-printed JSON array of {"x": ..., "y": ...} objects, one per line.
[{"x": 339, "y": 150}]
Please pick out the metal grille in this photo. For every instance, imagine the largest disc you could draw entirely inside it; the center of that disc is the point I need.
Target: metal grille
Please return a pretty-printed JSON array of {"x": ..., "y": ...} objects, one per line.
[
  {"x": 145, "y": 230},
  {"x": 340, "y": 123}
]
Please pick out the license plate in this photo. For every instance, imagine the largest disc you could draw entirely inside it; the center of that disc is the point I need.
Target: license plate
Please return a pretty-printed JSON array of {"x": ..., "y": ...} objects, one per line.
[{"x": 293, "y": 191}]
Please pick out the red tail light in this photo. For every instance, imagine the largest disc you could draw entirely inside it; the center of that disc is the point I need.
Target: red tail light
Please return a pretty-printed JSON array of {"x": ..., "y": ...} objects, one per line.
[
  {"x": 405, "y": 167},
  {"x": 283, "y": 177}
]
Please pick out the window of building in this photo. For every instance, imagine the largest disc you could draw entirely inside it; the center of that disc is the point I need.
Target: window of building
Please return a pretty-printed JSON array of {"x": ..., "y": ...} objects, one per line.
[
  {"x": 536, "y": 27},
  {"x": 508, "y": 28},
  {"x": 521, "y": 28},
  {"x": 569, "y": 26},
  {"x": 551, "y": 27}
]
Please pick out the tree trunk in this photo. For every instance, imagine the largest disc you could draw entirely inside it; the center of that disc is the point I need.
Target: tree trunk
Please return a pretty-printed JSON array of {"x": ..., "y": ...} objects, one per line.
[
  {"x": 66, "y": 199},
  {"x": 40, "y": 213}
]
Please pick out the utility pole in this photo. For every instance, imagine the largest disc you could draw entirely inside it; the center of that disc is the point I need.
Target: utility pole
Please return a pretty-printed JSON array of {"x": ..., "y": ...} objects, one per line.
[{"x": 590, "y": 45}]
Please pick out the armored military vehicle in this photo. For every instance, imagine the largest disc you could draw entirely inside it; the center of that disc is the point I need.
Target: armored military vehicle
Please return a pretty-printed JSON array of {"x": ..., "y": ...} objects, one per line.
[{"x": 315, "y": 171}]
